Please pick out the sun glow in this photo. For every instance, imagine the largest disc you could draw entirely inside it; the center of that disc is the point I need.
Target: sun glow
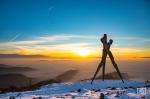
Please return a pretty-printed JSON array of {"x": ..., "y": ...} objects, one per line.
[{"x": 83, "y": 52}]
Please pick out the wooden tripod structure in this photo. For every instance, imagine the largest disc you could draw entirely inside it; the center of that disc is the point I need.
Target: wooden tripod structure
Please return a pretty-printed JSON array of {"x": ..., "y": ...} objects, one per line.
[{"x": 106, "y": 50}]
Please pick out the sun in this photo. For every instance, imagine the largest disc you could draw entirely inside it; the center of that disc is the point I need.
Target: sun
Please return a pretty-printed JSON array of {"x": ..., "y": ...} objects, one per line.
[{"x": 83, "y": 52}]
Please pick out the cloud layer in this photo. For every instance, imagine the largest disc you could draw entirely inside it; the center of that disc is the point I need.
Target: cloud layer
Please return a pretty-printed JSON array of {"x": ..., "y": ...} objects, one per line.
[{"x": 70, "y": 45}]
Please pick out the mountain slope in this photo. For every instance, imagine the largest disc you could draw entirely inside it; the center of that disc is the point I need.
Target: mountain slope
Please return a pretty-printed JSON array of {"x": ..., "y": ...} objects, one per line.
[{"x": 83, "y": 90}]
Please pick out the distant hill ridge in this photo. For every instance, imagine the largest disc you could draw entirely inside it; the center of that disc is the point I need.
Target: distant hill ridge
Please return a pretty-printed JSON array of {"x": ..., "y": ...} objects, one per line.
[
  {"x": 5, "y": 69},
  {"x": 65, "y": 76},
  {"x": 20, "y": 56}
]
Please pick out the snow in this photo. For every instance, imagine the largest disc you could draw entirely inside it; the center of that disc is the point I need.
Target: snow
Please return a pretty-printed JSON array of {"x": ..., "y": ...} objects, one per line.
[{"x": 112, "y": 89}]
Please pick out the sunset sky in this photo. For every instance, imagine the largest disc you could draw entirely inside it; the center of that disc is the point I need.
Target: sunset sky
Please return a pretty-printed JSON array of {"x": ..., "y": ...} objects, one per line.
[{"x": 72, "y": 28}]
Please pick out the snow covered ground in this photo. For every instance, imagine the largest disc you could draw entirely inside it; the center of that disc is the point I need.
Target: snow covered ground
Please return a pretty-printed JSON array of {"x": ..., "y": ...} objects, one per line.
[{"x": 112, "y": 89}]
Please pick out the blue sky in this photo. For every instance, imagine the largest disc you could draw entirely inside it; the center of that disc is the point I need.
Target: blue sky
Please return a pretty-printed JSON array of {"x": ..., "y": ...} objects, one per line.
[{"x": 126, "y": 21}]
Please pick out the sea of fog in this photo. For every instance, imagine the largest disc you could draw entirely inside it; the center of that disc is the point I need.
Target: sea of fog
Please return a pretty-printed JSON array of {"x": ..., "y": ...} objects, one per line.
[{"x": 137, "y": 69}]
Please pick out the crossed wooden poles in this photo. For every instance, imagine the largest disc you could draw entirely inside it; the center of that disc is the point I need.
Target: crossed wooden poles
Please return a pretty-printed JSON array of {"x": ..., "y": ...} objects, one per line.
[{"x": 106, "y": 50}]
